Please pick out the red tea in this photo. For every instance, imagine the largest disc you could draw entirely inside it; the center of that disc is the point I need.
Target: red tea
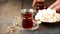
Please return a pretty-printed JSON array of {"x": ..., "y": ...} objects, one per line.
[
  {"x": 40, "y": 5},
  {"x": 27, "y": 20}
]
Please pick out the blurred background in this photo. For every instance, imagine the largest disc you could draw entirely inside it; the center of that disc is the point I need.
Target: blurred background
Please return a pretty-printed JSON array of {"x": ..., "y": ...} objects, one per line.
[{"x": 11, "y": 8}]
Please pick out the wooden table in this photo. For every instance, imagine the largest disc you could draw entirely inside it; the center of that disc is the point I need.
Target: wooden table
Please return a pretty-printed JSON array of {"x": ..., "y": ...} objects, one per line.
[
  {"x": 12, "y": 8},
  {"x": 45, "y": 28}
]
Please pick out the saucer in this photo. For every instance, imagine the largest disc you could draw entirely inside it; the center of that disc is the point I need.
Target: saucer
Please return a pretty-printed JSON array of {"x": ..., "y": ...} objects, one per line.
[
  {"x": 33, "y": 28},
  {"x": 19, "y": 26}
]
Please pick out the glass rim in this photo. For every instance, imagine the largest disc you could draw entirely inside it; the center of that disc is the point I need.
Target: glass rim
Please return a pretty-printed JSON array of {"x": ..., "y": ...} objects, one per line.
[{"x": 26, "y": 10}]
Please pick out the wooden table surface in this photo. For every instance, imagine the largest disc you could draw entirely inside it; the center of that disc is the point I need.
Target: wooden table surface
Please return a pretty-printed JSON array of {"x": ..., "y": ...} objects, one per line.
[
  {"x": 12, "y": 8},
  {"x": 45, "y": 28}
]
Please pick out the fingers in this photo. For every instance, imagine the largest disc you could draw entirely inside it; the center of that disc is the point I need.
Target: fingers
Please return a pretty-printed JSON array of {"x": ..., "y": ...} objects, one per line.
[
  {"x": 57, "y": 8},
  {"x": 54, "y": 5},
  {"x": 34, "y": 2}
]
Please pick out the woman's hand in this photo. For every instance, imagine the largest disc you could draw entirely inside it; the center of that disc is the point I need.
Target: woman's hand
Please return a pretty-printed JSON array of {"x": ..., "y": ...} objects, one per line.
[
  {"x": 55, "y": 5},
  {"x": 34, "y": 2}
]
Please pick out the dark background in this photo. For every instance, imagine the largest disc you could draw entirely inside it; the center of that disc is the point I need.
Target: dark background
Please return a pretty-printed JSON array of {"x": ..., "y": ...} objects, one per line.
[{"x": 25, "y": 3}]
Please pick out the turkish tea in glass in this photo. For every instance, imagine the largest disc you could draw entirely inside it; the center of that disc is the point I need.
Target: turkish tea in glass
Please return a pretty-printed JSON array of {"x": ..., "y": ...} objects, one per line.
[
  {"x": 40, "y": 5},
  {"x": 27, "y": 21}
]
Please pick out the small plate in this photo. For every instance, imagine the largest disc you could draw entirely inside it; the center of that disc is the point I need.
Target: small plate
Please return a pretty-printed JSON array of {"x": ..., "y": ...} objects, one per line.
[
  {"x": 51, "y": 22},
  {"x": 27, "y": 28}
]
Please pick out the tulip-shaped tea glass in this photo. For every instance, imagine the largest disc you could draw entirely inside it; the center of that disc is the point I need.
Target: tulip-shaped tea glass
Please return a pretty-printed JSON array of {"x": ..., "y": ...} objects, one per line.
[{"x": 26, "y": 20}]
